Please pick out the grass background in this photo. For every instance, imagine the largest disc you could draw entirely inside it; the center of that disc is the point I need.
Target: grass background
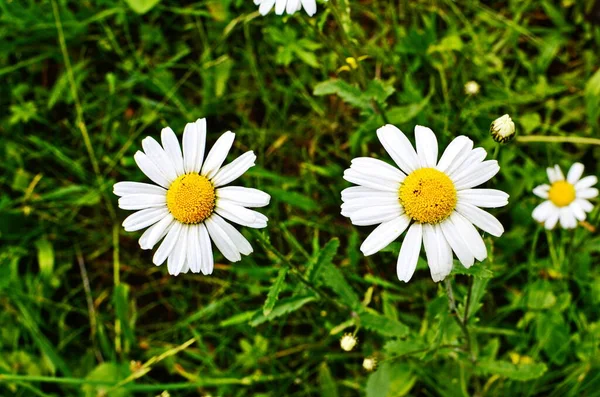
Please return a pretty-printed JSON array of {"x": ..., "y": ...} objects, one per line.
[{"x": 83, "y": 311}]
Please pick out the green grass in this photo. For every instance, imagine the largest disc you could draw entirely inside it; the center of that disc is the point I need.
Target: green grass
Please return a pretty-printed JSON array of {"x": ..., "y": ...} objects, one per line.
[{"x": 83, "y": 311}]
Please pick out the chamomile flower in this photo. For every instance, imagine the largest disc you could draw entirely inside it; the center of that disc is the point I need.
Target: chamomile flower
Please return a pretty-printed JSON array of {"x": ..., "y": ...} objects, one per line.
[
  {"x": 566, "y": 199},
  {"x": 190, "y": 205},
  {"x": 434, "y": 200},
  {"x": 288, "y": 6}
]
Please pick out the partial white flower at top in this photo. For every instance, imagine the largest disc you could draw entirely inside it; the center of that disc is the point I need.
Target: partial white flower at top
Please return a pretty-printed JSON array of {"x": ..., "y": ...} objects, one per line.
[
  {"x": 435, "y": 200},
  {"x": 189, "y": 205},
  {"x": 288, "y": 6},
  {"x": 566, "y": 200},
  {"x": 472, "y": 88}
]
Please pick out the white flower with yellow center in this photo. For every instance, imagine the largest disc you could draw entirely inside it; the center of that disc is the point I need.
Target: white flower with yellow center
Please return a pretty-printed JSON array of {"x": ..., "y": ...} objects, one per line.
[
  {"x": 566, "y": 200},
  {"x": 288, "y": 6},
  {"x": 434, "y": 200},
  {"x": 189, "y": 204}
]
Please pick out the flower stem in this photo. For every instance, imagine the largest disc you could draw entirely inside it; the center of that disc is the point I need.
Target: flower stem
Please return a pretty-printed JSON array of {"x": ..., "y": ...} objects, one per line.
[
  {"x": 461, "y": 321},
  {"x": 558, "y": 139}
]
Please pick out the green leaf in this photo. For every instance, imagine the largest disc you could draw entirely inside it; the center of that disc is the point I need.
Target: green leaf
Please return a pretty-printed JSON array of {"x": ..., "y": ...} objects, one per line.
[
  {"x": 121, "y": 301},
  {"x": 142, "y": 6},
  {"x": 383, "y": 325},
  {"x": 332, "y": 277},
  {"x": 592, "y": 98},
  {"x": 403, "y": 347},
  {"x": 325, "y": 256},
  {"x": 294, "y": 199},
  {"x": 326, "y": 381},
  {"x": 284, "y": 306},
  {"x": 539, "y": 296},
  {"x": 552, "y": 334},
  {"x": 274, "y": 291},
  {"x": 349, "y": 94},
  {"x": 109, "y": 373},
  {"x": 479, "y": 270},
  {"x": 391, "y": 380},
  {"x": 519, "y": 372},
  {"x": 45, "y": 254}
]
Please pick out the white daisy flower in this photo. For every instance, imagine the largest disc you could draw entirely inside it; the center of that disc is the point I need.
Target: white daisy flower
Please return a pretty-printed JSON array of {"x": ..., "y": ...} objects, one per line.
[
  {"x": 289, "y": 6},
  {"x": 189, "y": 204},
  {"x": 434, "y": 200},
  {"x": 566, "y": 200}
]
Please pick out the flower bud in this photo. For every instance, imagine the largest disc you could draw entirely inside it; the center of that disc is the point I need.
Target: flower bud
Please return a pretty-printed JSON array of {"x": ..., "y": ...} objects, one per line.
[
  {"x": 503, "y": 129},
  {"x": 348, "y": 342},
  {"x": 472, "y": 88},
  {"x": 369, "y": 363}
]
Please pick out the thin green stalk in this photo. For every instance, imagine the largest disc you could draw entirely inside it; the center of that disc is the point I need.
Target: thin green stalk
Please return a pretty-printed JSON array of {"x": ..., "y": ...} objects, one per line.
[{"x": 558, "y": 139}]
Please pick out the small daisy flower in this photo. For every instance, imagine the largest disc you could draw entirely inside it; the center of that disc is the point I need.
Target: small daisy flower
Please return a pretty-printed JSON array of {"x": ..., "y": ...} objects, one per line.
[
  {"x": 369, "y": 363},
  {"x": 472, "y": 88},
  {"x": 502, "y": 129},
  {"x": 566, "y": 200},
  {"x": 348, "y": 342},
  {"x": 190, "y": 205},
  {"x": 289, "y": 6},
  {"x": 434, "y": 200}
]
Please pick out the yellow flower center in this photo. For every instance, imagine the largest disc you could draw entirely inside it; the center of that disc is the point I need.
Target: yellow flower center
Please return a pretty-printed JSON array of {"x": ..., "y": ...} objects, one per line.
[
  {"x": 191, "y": 198},
  {"x": 561, "y": 193},
  {"x": 428, "y": 195}
]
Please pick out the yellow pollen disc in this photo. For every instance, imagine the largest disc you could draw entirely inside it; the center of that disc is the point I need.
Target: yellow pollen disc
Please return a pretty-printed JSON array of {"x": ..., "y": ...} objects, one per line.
[
  {"x": 428, "y": 195},
  {"x": 191, "y": 198},
  {"x": 561, "y": 193}
]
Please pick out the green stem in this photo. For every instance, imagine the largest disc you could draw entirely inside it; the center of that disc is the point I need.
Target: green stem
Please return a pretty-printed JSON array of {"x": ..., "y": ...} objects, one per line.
[
  {"x": 558, "y": 139},
  {"x": 456, "y": 315}
]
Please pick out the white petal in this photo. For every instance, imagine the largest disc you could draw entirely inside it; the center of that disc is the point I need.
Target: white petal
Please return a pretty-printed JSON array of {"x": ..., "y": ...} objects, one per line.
[
  {"x": 242, "y": 245},
  {"x": 470, "y": 236},
  {"x": 151, "y": 170},
  {"x": 472, "y": 161},
  {"x": 142, "y": 201},
  {"x": 234, "y": 170},
  {"x": 371, "y": 167},
  {"x": 374, "y": 215},
  {"x": 159, "y": 157},
  {"x": 354, "y": 176},
  {"x": 352, "y": 206},
  {"x": 427, "y": 146},
  {"x": 384, "y": 234},
  {"x": 144, "y": 218},
  {"x": 445, "y": 256},
  {"x": 207, "y": 262},
  {"x": 186, "y": 267},
  {"x": 166, "y": 247},
  {"x": 577, "y": 211},
  {"x": 292, "y": 6},
  {"x": 240, "y": 215},
  {"x": 177, "y": 257},
  {"x": 280, "y": 6},
  {"x": 409, "y": 253},
  {"x": 483, "y": 220},
  {"x": 455, "y": 154},
  {"x": 222, "y": 241},
  {"x": 264, "y": 9},
  {"x": 193, "y": 256},
  {"x": 485, "y": 198},
  {"x": 244, "y": 196},
  {"x": 172, "y": 148},
  {"x": 431, "y": 246},
  {"x": 156, "y": 232},
  {"x": 566, "y": 218},
  {"x": 551, "y": 174},
  {"x": 360, "y": 192},
  {"x": 558, "y": 173},
  {"x": 399, "y": 148},
  {"x": 542, "y": 191},
  {"x": 586, "y": 182},
  {"x": 584, "y": 204},
  {"x": 543, "y": 211},
  {"x": 459, "y": 246},
  {"x": 217, "y": 154},
  {"x": 191, "y": 145},
  {"x": 310, "y": 6},
  {"x": 588, "y": 193},
  {"x": 551, "y": 220},
  {"x": 575, "y": 173},
  {"x": 125, "y": 188},
  {"x": 477, "y": 175}
]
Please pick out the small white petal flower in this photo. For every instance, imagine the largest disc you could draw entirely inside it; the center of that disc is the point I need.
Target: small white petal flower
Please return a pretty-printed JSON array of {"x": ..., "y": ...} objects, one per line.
[
  {"x": 287, "y": 6},
  {"x": 433, "y": 200},
  {"x": 348, "y": 342},
  {"x": 369, "y": 363},
  {"x": 566, "y": 199},
  {"x": 191, "y": 205},
  {"x": 503, "y": 129},
  {"x": 472, "y": 88}
]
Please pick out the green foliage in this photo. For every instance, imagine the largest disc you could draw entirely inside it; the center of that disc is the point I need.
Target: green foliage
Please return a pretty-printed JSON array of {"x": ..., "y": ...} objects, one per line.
[{"x": 85, "y": 312}]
